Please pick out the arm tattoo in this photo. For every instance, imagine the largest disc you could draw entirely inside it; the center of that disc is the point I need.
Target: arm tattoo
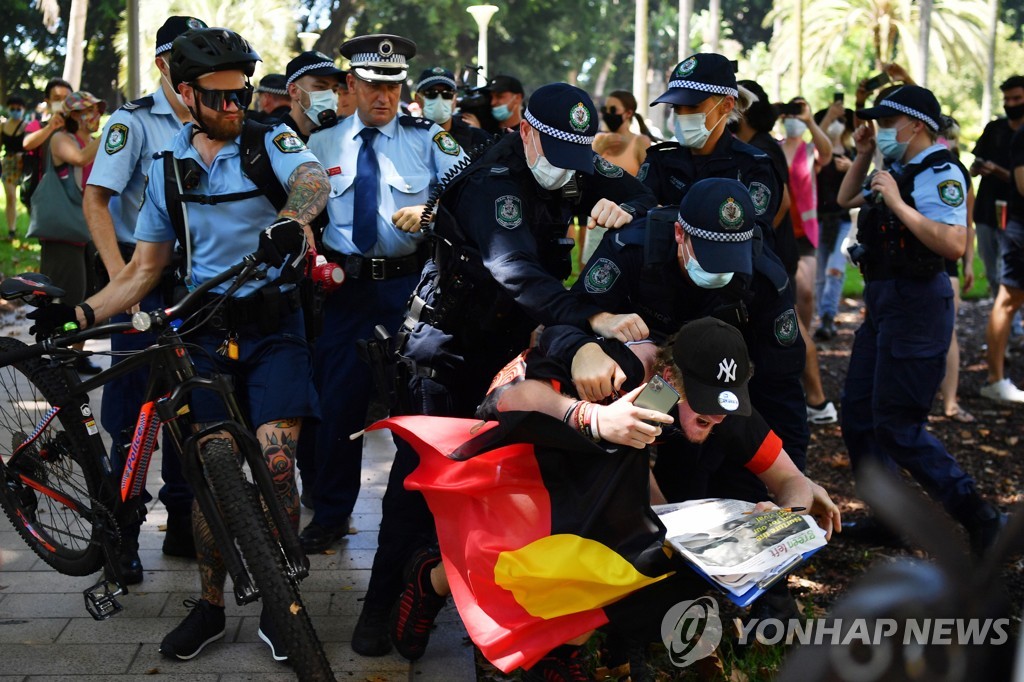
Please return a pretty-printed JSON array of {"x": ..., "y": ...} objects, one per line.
[{"x": 308, "y": 194}]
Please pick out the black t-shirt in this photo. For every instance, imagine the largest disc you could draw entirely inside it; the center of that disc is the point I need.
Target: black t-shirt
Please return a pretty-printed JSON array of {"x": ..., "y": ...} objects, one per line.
[
  {"x": 785, "y": 239},
  {"x": 994, "y": 146},
  {"x": 829, "y": 182}
]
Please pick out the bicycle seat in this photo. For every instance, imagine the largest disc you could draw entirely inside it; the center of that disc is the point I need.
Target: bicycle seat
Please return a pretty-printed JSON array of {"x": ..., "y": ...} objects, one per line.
[{"x": 31, "y": 287}]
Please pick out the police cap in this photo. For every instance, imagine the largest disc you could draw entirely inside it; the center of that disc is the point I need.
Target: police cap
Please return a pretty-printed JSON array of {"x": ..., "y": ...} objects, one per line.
[
  {"x": 567, "y": 121},
  {"x": 698, "y": 77},
  {"x": 311, "y": 63},
  {"x": 911, "y": 100},
  {"x": 172, "y": 28},
  {"x": 718, "y": 214},
  {"x": 435, "y": 76},
  {"x": 380, "y": 57},
  {"x": 274, "y": 84}
]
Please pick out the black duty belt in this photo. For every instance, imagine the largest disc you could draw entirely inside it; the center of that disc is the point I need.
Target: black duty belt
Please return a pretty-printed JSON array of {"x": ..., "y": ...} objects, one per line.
[
  {"x": 262, "y": 310},
  {"x": 360, "y": 267}
]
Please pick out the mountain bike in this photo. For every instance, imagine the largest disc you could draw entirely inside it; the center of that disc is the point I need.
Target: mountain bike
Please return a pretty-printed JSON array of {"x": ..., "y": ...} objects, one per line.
[{"x": 60, "y": 490}]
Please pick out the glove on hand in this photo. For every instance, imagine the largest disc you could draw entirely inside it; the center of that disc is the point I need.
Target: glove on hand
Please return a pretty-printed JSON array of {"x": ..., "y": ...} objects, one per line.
[
  {"x": 283, "y": 238},
  {"x": 50, "y": 319}
]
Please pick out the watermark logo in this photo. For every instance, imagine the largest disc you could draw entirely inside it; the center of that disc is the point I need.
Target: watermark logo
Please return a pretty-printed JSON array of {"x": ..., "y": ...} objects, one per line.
[{"x": 691, "y": 630}]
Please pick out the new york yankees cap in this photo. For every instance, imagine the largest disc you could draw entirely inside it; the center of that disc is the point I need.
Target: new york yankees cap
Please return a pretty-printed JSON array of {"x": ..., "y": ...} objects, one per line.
[{"x": 716, "y": 368}]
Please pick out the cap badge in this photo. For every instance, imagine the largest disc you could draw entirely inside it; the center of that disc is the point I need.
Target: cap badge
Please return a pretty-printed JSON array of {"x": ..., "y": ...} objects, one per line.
[
  {"x": 687, "y": 67},
  {"x": 322, "y": 56},
  {"x": 437, "y": 69},
  {"x": 728, "y": 401},
  {"x": 730, "y": 214},
  {"x": 726, "y": 370},
  {"x": 579, "y": 117},
  {"x": 192, "y": 22},
  {"x": 386, "y": 48}
]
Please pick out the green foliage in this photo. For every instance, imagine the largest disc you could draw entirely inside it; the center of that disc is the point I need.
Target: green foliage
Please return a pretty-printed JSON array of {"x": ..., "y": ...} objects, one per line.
[{"x": 28, "y": 50}]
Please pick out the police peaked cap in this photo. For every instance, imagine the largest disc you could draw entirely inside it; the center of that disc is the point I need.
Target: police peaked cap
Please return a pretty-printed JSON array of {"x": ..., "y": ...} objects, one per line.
[
  {"x": 380, "y": 57},
  {"x": 698, "y": 77},
  {"x": 566, "y": 119},
  {"x": 273, "y": 84},
  {"x": 174, "y": 27},
  {"x": 911, "y": 100},
  {"x": 718, "y": 214}
]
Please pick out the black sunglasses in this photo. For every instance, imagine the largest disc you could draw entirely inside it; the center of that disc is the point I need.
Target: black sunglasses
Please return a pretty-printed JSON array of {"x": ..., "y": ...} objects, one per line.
[
  {"x": 434, "y": 94},
  {"x": 216, "y": 99}
]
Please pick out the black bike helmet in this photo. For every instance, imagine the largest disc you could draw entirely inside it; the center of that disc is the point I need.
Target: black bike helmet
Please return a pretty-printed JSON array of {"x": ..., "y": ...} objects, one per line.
[{"x": 204, "y": 50}]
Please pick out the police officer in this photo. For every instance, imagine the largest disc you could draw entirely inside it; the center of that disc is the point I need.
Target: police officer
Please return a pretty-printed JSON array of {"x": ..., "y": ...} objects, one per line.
[
  {"x": 272, "y": 100},
  {"x": 382, "y": 168},
  {"x": 111, "y": 202},
  {"x": 258, "y": 339},
  {"x": 703, "y": 93},
  {"x": 500, "y": 255},
  {"x": 312, "y": 81},
  {"x": 912, "y": 217},
  {"x": 437, "y": 97}
]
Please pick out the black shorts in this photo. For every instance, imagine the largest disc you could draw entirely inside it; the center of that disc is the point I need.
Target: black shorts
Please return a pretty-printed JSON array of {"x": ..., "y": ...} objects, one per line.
[{"x": 1013, "y": 255}]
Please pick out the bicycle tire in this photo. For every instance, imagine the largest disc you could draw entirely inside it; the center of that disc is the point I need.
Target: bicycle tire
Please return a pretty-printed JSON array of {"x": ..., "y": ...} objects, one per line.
[
  {"x": 243, "y": 513},
  {"x": 58, "y": 459}
]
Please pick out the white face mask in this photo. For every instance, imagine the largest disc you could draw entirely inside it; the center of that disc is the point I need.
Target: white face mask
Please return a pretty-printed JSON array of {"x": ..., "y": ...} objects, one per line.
[
  {"x": 165, "y": 79},
  {"x": 319, "y": 102},
  {"x": 704, "y": 279},
  {"x": 439, "y": 109},
  {"x": 546, "y": 175},
  {"x": 794, "y": 127},
  {"x": 835, "y": 129},
  {"x": 691, "y": 129}
]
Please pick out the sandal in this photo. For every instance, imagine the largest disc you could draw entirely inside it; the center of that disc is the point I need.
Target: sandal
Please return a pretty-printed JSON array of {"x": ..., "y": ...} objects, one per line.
[{"x": 961, "y": 415}]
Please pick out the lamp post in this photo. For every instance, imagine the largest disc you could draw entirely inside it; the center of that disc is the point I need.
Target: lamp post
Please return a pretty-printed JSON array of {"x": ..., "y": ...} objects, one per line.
[
  {"x": 308, "y": 39},
  {"x": 482, "y": 14}
]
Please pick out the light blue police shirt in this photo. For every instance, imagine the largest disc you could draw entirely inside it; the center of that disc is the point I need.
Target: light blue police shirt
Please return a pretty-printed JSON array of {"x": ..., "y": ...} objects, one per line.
[
  {"x": 413, "y": 156},
  {"x": 130, "y": 139},
  {"x": 223, "y": 233},
  {"x": 939, "y": 192}
]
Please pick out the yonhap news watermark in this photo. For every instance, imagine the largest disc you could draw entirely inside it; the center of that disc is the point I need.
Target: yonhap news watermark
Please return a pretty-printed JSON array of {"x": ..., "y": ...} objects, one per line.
[{"x": 692, "y": 630}]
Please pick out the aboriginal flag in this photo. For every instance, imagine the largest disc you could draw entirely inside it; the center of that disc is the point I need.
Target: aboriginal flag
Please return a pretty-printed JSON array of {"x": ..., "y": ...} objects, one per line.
[{"x": 540, "y": 529}]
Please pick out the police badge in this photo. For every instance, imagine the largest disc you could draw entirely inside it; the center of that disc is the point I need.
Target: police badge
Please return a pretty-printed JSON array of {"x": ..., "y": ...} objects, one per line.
[
  {"x": 446, "y": 143},
  {"x": 760, "y": 196},
  {"x": 786, "y": 329},
  {"x": 687, "y": 67},
  {"x": 601, "y": 276},
  {"x": 508, "y": 211},
  {"x": 579, "y": 117},
  {"x": 117, "y": 138},
  {"x": 606, "y": 167},
  {"x": 951, "y": 192},
  {"x": 730, "y": 214}
]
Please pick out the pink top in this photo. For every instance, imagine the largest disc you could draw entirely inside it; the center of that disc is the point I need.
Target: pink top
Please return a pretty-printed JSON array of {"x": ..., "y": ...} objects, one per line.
[{"x": 803, "y": 194}]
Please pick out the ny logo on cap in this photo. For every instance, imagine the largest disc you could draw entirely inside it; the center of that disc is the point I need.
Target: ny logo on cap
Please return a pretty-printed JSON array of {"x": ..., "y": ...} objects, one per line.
[{"x": 727, "y": 367}]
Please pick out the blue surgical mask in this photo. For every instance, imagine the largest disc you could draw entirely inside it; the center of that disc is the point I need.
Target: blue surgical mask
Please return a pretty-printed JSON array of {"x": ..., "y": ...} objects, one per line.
[
  {"x": 794, "y": 127},
  {"x": 691, "y": 129},
  {"x": 319, "y": 102},
  {"x": 547, "y": 175},
  {"x": 704, "y": 279},
  {"x": 891, "y": 149},
  {"x": 16, "y": 114},
  {"x": 501, "y": 113},
  {"x": 438, "y": 109}
]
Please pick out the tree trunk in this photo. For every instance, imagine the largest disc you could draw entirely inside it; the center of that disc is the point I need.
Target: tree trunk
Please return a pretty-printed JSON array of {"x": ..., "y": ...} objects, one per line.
[
  {"x": 640, "y": 58},
  {"x": 685, "y": 16},
  {"x": 990, "y": 70},
  {"x": 606, "y": 68},
  {"x": 715, "y": 9},
  {"x": 76, "y": 49},
  {"x": 923, "y": 40},
  {"x": 799, "y": 47},
  {"x": 333, "y": 36}
]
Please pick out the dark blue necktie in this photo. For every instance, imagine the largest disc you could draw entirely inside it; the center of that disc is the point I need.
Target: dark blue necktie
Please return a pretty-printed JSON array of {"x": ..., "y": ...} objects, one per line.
[{"x": 365, "y": 204}]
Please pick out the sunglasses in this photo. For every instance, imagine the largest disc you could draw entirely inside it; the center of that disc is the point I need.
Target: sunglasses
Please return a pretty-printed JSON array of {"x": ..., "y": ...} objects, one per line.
[
  {"x": 434, "y": 94},
  {"x": 217, "y": 99}
]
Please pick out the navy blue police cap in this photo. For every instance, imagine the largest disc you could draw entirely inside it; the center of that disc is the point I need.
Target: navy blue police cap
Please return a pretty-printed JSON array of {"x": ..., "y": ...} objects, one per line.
[
  {"x": 435, "y": 76},
  {"x": 911, "y": 100},
  {"x": 273, "y": 84},
  {"x": 567, "y": 121},
  {"x": 698, "y": 77},
  {"x": 381, "y": 57},
  {"x": 718, "y": 214},
  {"x": 311, "y": 63},
  {"x": 174, "y": 27}
]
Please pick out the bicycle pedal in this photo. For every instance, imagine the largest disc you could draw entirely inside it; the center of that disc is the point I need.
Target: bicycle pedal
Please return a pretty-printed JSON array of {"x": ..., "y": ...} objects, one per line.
[{"x": 101, "y": 601}]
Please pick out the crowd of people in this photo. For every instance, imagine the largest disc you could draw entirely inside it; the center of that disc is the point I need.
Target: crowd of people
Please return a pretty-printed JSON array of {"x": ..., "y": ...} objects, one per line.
[{"x": 454, "y": 225}]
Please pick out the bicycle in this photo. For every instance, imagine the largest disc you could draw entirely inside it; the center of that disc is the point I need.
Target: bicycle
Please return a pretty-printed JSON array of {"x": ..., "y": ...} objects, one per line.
[{"x": 56, "y": 482}]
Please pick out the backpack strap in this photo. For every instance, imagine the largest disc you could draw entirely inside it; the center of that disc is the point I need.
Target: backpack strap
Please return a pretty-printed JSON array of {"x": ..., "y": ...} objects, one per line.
[{"x": 256, "y": 163}]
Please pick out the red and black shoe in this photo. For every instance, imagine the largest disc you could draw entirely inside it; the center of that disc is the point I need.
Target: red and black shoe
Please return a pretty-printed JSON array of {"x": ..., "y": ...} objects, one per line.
[
  {"x": 412, "y": 617},
  {"x": 565, "y": 663}
]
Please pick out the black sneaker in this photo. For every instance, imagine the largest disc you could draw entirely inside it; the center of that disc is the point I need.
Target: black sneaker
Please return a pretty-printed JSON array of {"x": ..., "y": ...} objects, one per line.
[
  {"x": 562, "y": 664},
  {"x": 827, "y": 331},
  {"x": 315, "y": 538},
  {"x": 203, "y": 624},
  {"x": 412, "y": 617},
  {"x": 131, "y": 567},
  {"x": 268, "y": 633},
  {"x": 370, "y": 638},
  {"x": 178, "y": 540}
]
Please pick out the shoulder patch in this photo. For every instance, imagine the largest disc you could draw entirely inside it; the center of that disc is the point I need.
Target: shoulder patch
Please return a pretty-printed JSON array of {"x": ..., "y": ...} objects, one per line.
[
  {"x": 289, "y": 142},
  {"x": 642, "y": 173},
  {"x": 141, "y": 103},
  {"x": 760, "y": 196},
  {"x": 786, "y": 329},
  {"x": 601, "y": 276},
  {"x": 508, "y": 211},
  {"x": 446, "y": 143},
  {"x": 951, "y": 192},
  {"x": 606, "y": 167},
  {"x": 117, "y": 138},
  {"x": 415, "y": 122}
]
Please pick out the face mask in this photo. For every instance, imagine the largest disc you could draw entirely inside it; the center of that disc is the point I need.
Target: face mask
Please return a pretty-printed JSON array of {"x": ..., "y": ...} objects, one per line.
[
  {"x": 438, "y": 110},
  {"x": 319, "y": 102},
  {"x": 794, "y": 127},
  {"x": 691, "y": 130},
  {"x": 704, "y": 279},
  {"x": 613, "y": 121},
  {"x": 891, "y": 149},
  {"x": 1014, "y": 112},
  {"x": 16, "y": 114},
  {"x": 546, "y": 175},
  {"x": 501, "y": 113},
  {"x": 181, "y": 100},
  {"x": 836, "y": 128}
]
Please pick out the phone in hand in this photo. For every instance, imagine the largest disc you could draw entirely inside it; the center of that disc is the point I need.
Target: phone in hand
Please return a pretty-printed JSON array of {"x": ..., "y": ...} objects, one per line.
[
  {"x": 658, "y": 395},
  {"x": 838, "y": 96},
  {"x": 788, "y": 108},
  {"x": 876, "y": 81}
]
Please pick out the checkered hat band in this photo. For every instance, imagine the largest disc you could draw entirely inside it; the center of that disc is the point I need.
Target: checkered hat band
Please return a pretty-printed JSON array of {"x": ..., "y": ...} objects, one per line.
[
  {"x": 910, "y": 112},
  {"x": 704, "y": 87},
  {"x": 556, "y": 133},
  {"x": 433, "y": 80},
  {"x": 309, "y": 67},
  {"x": 283, "y": 92},
  {"x": 163, "y": 48},
  {"x": 715, "y": 236},
  {"x": 374, "y": 59}
]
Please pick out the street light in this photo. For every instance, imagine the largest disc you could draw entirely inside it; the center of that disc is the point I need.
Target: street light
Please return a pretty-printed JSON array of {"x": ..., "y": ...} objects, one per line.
[
  {"x": 482, "y": 14},
  {"x": 308, "y": 39}
]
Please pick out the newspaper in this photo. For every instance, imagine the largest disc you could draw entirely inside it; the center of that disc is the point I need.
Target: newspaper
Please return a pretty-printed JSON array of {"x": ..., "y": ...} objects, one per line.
[{"x": 739, "y": 551}]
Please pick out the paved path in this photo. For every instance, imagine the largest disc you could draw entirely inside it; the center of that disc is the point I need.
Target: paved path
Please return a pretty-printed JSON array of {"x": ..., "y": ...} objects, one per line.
[{"x": 45, "y": 632}]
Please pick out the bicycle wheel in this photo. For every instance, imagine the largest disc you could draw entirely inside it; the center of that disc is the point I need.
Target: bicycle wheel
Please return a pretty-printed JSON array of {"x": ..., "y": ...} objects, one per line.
[
  {"x": 242, "y": 510},
  {"x": 50, "y": 490}
]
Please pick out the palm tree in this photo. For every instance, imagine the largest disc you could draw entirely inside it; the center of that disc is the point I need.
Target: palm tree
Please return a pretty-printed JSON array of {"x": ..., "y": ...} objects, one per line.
[{"x": 74, "y": 58}]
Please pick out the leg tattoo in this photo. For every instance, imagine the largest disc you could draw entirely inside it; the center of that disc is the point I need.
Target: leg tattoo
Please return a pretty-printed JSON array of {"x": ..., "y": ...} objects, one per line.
[{"x": 279, "y": 441}]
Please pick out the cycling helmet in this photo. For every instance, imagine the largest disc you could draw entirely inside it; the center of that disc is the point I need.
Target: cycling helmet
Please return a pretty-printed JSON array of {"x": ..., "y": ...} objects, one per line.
[{"x": 204, "y": 50}]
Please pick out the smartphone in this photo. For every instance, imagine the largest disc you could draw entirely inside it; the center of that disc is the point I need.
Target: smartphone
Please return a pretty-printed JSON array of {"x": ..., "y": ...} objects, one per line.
[
  {"x": 658, "y": 395},
  {"x": 876, "y": 81},
  {"x": 838, "y": 96},
  {"x": 788, "y": 108}
]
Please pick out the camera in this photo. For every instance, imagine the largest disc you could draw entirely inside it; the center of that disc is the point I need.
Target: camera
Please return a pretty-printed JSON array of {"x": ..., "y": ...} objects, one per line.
[
  {"x": 476, "y": 100},
  {"x": 328, "y": 275},
  {"x": 876, "y": 81},
  {"x": 788, "y": 108}
]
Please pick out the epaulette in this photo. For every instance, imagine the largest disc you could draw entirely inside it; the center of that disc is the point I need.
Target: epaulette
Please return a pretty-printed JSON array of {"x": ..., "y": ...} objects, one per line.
[
  {"x": 665, "y": 147},
  {"x": 630, "y": 235},
  {"x": 140, "y": 103},
  {"x": 748, "y": 149},
  {"x": 415, "y": 122}
]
